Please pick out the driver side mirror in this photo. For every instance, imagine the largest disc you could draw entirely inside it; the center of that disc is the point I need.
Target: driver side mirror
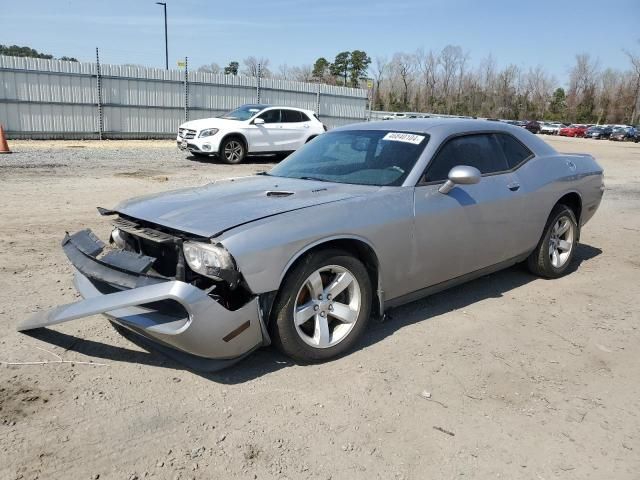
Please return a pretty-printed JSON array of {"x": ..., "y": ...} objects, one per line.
[
  {"x": 461, "y": 175},
  {"x": 258, "y": 121}
]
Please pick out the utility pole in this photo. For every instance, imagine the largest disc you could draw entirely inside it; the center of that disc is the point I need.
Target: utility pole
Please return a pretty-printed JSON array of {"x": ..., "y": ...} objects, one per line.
[{"x": 166, "y": 41}]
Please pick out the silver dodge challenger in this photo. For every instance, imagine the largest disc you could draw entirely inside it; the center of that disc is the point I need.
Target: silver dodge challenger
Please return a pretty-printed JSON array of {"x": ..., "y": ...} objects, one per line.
[{"x": 361, "y": 219}]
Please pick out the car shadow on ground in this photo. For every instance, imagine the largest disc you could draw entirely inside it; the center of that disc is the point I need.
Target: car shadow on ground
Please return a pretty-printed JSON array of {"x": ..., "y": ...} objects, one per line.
[
  {"x": 249, "y": 160},
  {"x": 269, "y": 360}
]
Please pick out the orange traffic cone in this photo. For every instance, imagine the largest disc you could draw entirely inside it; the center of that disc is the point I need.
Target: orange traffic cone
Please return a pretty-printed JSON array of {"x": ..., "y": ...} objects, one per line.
[{"x": 4, "y": 146}]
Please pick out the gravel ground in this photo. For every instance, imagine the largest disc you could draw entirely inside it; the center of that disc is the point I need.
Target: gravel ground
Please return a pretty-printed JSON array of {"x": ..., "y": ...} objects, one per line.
[{"x": 527, "y": 378}]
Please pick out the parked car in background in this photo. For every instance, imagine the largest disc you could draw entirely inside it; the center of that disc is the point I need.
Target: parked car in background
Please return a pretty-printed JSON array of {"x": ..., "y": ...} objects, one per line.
[
  {"x": 551, "y": 128},
  {"x": 356, "y": 222},
  {"x": 623, "y": 134},
  {"x": 250, "y": 129},
  {"x": 395, "y": 116},
  {"x": 533, "y": 126},
  {"x": 598, "y": 132},
  {"x": 574, "y": 130}
]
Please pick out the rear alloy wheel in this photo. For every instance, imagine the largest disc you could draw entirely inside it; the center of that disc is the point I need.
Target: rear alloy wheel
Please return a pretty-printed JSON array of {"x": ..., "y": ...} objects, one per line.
[
  {"x": 556, "y": 248},
  {"x": 232, "y": 150},
  {"x": 323, "y": 307}
]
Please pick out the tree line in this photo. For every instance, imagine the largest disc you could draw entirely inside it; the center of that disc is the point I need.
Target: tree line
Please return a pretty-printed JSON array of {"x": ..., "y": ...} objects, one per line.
[
  {"x": 445, "y": 82},
  {"x": 17, "y": 51}
]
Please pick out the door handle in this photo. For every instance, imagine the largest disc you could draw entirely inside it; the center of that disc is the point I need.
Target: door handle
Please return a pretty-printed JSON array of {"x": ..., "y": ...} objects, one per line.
[
  {"x": 306, "y": 125},
  {"x": 513, "y": 186}
]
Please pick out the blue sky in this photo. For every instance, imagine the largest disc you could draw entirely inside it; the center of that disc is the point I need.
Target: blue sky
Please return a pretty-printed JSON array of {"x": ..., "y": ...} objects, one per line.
[{"x": 525, "y": 32}]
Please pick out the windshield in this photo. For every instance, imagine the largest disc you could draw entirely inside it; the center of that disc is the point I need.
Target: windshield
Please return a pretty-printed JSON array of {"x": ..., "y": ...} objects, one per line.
[
  {"x": 245, "y": 112},
  {"x": 363, "y": 157}
]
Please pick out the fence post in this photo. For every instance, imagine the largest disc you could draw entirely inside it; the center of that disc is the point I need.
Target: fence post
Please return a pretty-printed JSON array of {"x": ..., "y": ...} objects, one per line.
[
  {"x": 99, "y": 87},
  {"x": 186, "y": 89},
  {"x": 318, "y": 100},
  {"x": 258, "y": 84}
]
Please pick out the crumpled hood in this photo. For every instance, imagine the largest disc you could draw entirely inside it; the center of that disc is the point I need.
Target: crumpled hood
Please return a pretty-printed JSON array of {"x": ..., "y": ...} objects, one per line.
[{"x": 212, "y": 209}]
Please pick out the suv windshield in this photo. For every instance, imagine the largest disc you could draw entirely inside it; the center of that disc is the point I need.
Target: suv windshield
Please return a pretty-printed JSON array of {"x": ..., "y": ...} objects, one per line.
[
  {"x": 245, "y": 112},
  {"x": 363, "y": 157}
]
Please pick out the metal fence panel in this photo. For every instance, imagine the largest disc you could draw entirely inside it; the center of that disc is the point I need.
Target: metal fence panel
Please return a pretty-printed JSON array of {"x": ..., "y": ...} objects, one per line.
[{"x": 42, "y": 98}]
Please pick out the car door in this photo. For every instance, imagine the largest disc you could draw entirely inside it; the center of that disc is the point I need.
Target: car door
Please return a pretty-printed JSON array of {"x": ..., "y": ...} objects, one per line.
[
  {"x": 295, "y": 125},
  {"x": 472, "y": 226},
  {"x": 269, "y": 136}
]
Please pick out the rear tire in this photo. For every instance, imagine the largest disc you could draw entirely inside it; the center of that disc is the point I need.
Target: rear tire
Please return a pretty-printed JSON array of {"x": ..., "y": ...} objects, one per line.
[
  {"x": 322, "y": 308},
  {"x": 232, "y": 150},
  {"x": 556, "y": 248}
]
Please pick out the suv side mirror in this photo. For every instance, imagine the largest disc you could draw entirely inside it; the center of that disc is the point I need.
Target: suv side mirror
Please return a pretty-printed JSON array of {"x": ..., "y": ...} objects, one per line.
[
  {"x": 258, "y": 121},
  {"x": 461, "y": 175}
]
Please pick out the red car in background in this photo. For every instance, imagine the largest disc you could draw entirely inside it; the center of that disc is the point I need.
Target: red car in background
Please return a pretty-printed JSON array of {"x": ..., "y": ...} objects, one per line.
[{"x": 573, "y": 131}]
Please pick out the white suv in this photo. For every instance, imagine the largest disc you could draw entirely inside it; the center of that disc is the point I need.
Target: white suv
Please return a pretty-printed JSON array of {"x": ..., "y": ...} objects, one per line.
[{"x": 250, "y": 129}]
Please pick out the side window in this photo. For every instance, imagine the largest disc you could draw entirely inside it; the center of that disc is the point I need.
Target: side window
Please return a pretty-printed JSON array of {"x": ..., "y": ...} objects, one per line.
[
  {"x": 290, "y": 116},
  {"x": 478, "y": 150},
  {"x": 514, "y": 151},
  {"x": 304, "y": 117},
  {"x": 271, "y": 116}
]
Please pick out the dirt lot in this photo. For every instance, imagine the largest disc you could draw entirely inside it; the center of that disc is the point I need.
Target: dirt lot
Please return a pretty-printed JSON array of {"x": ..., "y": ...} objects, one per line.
[{"x": 529, "y": 379}]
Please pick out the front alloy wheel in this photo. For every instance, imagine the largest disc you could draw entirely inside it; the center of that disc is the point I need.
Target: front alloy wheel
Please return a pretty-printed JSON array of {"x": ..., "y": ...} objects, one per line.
[
  {"x": 327, "y": 306},
  {"x": 232, "y": 151},
  {"x": 322, "y": 307}
]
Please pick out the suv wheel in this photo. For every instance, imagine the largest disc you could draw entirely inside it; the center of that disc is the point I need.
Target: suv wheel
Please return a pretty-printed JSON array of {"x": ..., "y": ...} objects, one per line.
[{"x": 232, "y": 150}]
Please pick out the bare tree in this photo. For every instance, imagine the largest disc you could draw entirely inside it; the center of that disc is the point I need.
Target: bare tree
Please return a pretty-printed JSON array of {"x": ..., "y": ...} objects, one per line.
[
  {"x": 582, "y": 88},
  {"x": 303, "y": 73},
  {"x": 427, "y": 63},
  {"x": 403, "y": 65},
  {"x": 635, "y": 65},
  {"x": 252, "y": 64},
  {"x": 450, "y": 59},
  {"x": 284, "y": 72},
  {"x": 210, "y": 68},
  {"x": 378, "y": 71}
]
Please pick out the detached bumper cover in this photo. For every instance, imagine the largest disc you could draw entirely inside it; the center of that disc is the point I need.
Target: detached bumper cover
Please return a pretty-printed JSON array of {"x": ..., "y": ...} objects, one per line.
[{"x": 171, "y": 313}]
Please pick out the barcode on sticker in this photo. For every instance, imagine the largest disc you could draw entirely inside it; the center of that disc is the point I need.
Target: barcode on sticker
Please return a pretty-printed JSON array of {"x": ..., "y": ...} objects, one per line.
[{"x": 404, "y": 137}]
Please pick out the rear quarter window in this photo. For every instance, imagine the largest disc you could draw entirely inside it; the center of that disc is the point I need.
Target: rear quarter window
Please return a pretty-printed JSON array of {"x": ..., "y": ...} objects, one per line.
[{"x": 514, "y": 151}]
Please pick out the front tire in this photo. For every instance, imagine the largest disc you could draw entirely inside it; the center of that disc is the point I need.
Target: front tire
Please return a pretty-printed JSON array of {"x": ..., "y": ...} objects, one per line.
[
  {"x": 556, "y": 248},
  {"x": 232, "y": 150},
  {"x": 322, "y": 308}
]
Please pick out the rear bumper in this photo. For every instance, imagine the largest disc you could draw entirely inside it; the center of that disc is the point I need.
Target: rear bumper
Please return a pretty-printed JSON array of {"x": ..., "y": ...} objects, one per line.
[{"x": 173, "y": 314}]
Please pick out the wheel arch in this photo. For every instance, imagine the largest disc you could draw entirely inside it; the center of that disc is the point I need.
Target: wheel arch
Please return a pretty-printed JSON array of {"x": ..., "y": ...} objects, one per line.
[
  {"x": 359, "y": 247},
  {"x": 238, "y": 135},
  {"x": 573, "y": 200}
]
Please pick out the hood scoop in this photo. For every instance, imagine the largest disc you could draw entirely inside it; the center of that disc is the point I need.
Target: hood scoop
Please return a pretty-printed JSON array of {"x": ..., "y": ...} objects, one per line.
[{"x": 279, "y": 193}]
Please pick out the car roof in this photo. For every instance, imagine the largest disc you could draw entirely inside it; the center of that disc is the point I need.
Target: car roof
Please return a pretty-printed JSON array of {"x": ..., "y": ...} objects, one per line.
[
  {"x": 287, "y": 108},
  {"x": 446, "y": 126}
]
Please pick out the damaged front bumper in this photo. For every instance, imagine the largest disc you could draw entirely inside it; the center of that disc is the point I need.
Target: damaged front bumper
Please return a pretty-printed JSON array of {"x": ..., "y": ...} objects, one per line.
[{"x": 181, "y": 319}]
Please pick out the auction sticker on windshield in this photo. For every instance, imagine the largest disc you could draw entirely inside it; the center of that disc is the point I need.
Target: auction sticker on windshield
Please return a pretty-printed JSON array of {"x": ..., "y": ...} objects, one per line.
[{"x": 404, "y": 137}]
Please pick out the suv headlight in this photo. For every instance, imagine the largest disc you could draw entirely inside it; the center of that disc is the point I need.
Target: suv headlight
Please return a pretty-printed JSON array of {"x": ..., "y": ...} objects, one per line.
[
  {"x": 208, "y": 132},
  {"x": 207, "y": 259}
]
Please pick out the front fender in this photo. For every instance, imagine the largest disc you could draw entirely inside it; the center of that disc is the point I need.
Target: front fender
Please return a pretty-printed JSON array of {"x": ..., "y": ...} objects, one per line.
[{"x": 264, "y": 250}]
